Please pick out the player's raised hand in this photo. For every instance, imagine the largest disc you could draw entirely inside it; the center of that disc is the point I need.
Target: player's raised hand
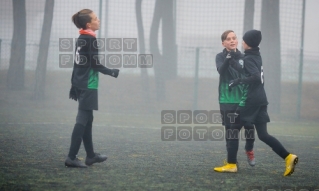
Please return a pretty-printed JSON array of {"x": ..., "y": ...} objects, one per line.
[
  {"x": 231, "y": 54},
  {"x": 228, "y": 56}
]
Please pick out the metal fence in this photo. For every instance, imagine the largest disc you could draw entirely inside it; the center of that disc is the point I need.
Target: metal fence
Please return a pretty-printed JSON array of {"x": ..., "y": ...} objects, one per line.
[{"x": 198, "y": 24}]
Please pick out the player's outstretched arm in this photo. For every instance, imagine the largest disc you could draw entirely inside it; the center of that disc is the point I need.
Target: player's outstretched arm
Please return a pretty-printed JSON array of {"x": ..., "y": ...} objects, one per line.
[
  {"x": 252, "y": 71},
  {"x": 253, "y": 75},
  {"x": 96, "y": 65}
]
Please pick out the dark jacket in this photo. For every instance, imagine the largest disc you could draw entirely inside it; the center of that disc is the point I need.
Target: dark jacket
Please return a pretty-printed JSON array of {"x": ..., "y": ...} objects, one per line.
[
  {"x": 254, "y": 93},
  {"x": 229, "y": 69},
  {"x": 86, "y": 64},
  {"x": 85, "y": 75}
]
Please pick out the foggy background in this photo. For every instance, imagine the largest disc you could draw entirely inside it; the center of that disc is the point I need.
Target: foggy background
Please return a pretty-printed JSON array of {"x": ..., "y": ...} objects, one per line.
[
  {"x": 37, "y": 117},
  {"x": 182, "y": 35}
]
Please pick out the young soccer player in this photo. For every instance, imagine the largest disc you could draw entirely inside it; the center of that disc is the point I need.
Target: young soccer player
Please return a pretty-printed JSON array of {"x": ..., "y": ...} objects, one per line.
[
  {"x": 84, "y": 80},
  {"x": 253, "y": 107},
  {"x": 229, "y": 64}
]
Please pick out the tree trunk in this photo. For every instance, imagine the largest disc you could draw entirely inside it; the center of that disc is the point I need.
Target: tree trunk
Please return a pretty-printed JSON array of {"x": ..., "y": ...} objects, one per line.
[
  {"x": 40, "y": 72},
  {"x": 141, "y": 42},
  {"x": 270, "y": 49},
  {"x": 249, "y": 15},
  {"x": 165, "y": 66},
  {"x": 169, "y": 40},
  {"x": 154, "y": 48},
  {"x": 15, "y": 76}
]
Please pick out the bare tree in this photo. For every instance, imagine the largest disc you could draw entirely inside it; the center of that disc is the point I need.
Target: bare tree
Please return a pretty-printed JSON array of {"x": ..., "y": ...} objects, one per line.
[
  {"x": 165, "y": 65},
  {"x": 40, "y": 72},
  {"x": 270, "y": 49},
  {"x": 15, "y": 76}
]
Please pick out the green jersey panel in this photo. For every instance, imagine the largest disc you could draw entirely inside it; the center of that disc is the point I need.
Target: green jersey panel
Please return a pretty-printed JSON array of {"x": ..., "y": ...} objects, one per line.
[
  {"x": 227, "y": 95},
  {"x": 93, "y": 81}
]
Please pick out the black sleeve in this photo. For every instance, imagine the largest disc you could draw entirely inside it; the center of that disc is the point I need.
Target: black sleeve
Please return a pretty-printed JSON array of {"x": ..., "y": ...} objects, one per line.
[
  {"x": 252, "y": 71},
  {"x": 95, "y": 59},
  {"x": 221, "y": 63}
]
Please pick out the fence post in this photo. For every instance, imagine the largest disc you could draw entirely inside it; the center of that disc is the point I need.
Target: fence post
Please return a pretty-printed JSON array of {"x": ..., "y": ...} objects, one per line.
[
  {"x": 0, "y": 51},
  {"x": 100, "y": 16},
  {"x": 196, "y": 79}
]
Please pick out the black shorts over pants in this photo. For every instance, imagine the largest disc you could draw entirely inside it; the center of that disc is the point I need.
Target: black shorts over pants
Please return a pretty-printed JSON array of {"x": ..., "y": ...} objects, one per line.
[{"x": 253, "y": 114}]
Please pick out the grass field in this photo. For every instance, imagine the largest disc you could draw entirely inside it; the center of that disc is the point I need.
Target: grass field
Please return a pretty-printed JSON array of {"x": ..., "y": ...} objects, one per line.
[
  {"x": 35, "y": 137},
  {"x": 32, "y": 158}
]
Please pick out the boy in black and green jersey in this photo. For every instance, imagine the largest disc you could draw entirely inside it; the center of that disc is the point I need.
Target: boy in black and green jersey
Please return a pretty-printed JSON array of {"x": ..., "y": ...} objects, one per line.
[
  {"x": 253, "y": 106},
  {"x": 229, "y": 65},
  {"x": 85, "y": 81}
]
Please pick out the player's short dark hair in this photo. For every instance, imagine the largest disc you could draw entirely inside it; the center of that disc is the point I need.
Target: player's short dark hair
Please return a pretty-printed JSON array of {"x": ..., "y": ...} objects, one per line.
[
  {"x": 81, "y": 18},
  {"x": 225, "y": 34}
]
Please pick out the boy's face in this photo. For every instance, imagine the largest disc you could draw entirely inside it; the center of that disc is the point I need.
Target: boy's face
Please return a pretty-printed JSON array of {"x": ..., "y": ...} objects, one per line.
[
  {"x": 95, "y": 22},
  {"x": 245, "y": 46},
  {"x": 231, "y": 42}
]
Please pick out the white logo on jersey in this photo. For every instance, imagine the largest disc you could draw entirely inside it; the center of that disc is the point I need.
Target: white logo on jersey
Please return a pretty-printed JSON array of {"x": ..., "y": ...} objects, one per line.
[
  {"x": 241, "y": 62},
  {"x": 262, "y": 75}
]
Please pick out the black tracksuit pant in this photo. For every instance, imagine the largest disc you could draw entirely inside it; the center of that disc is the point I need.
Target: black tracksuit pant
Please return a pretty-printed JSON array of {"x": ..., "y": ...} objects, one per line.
[
  {"x": 249, "y": 136},
  {"x": 82, "y": 131},
  {"x": 261, "y": 128}
]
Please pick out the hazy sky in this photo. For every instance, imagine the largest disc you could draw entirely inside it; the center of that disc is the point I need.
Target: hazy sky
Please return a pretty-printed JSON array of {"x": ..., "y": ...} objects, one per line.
[
  {"x": 198, "y": 23},
  {"x": 312, "y": 26},
  {"x": 311, "y": 23}
]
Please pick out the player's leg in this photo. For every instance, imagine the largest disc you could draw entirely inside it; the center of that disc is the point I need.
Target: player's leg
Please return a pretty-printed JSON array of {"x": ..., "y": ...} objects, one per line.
[
  {"x": 250, "y": 140},
  {"x": 91, "y": 157},
  {"x": 290, "y": 159},
  {"x": 232, "y": 137},
  {"x": 82, "y": 119},
  {"x": 227, "y": 127},
  {"x": 87, "y": 137},
  {"x": 228, "y": 121},
  {"x": 225, "y": 121}
]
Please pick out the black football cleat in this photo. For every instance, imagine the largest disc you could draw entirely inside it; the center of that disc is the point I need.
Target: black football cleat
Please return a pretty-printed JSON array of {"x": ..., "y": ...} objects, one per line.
[
  {"x": 97, "y": 158},
  {"x": 76, "y": 163}
]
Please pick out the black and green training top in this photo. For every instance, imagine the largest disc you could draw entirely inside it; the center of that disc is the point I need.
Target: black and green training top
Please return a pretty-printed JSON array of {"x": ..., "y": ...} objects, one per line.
[
  {"x": 229, "y": 69},
  {"x": 253, "y": 81},
  {"x": 87, "y": 66}
]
